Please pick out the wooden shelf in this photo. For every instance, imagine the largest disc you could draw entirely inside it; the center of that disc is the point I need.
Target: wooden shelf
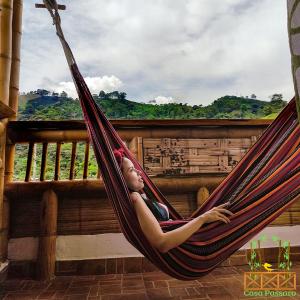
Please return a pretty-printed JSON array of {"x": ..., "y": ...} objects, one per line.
[{"x": 6, "y": 111}]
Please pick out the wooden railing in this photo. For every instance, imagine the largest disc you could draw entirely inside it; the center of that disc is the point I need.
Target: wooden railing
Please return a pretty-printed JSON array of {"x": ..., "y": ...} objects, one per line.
[{"x": 157, "y": 134}]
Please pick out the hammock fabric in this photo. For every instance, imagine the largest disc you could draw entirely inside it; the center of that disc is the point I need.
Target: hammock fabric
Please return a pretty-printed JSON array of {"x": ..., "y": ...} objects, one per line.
[{"x": 264, "y": 183}]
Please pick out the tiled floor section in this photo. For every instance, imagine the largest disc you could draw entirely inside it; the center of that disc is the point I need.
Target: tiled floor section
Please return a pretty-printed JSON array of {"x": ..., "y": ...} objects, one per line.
[{"x": 222, "y": 283}]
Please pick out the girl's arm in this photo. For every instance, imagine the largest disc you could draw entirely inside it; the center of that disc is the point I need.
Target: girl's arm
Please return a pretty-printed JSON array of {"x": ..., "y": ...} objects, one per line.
[{"x": 163, "y": 241}]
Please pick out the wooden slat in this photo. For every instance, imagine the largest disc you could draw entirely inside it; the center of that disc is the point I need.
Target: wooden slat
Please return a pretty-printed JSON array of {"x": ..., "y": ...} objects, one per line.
[
  {"x": 86, "y": 160},
  {"x": 73, "y": 158},
  {"x": 57, "y": 161},
  {"x": 29, "y": 161},
  {"x": 44, "y": 161}
]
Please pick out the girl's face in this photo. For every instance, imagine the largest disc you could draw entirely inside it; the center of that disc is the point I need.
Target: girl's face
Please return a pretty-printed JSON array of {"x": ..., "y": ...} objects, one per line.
[{"x": 131, "y": 175}]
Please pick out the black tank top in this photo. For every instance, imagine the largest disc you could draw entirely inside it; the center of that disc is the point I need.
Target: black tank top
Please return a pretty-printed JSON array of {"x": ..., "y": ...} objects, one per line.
[{"x": 160, "y": 211}]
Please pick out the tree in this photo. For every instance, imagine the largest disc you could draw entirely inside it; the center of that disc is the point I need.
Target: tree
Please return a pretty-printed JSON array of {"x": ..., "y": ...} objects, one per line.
[
  {"x": 102, "y": 95},
  {"x": 113, "y": 95},
  {"x": 42, "y": 92},
  {"x": 63, "y": 94},
  {"x": 276, "y": 97},
  {"x": 122, "y": 96}
]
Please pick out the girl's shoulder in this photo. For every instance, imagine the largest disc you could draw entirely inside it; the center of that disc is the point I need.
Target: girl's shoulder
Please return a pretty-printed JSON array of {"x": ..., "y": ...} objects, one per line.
[{"x": 135, "y": 196}]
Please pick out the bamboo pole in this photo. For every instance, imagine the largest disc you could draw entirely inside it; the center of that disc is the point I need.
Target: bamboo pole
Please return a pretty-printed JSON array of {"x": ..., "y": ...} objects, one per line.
[
  {"x": 3, "y": 204},
  {"x": 24, "y": 135},
  {"x": 293, "y": 34},
  {"x": 4, "y": 223},
  {"x": 5, "y": 69},
  {"x": 5, "y": 48},
  {"x": 15, "y": 57},
  {"x": 171, "y": 186},
  {"x": 14, "y": 82},
  {"x": 47, "y": 243}
]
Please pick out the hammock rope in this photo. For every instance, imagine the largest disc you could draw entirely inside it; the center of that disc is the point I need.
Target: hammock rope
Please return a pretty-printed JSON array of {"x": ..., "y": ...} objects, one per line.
[{"x": 263, "y": 184}]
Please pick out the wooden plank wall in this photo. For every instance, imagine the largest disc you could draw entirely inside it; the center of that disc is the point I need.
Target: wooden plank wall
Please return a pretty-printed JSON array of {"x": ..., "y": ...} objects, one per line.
[
  {"x": 94, "y": 215},
  {"x": 192, "y": 156}
]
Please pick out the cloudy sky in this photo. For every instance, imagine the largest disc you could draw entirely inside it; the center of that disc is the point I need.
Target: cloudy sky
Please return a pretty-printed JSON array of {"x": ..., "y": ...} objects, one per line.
[{"x": 189, "y": 51}]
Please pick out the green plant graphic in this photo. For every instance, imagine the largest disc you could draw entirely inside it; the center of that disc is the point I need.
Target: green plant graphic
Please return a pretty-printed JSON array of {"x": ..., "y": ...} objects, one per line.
[
  {"x": 255, "y": 259},
  {"x": 284, "y": 263}
]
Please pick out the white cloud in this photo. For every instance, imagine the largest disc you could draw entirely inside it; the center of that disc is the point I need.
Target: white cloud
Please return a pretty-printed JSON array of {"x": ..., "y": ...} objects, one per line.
[
  {"x": 95, "y": 85},
  {"x": 162, "y": 100},
  {"x": 192, "y": 50}
]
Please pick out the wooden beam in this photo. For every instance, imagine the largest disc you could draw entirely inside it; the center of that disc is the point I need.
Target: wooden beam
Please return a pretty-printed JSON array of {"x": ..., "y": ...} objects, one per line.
[
  {"x": 47, "y": 242},
  {"x": 59, "y": 6}
]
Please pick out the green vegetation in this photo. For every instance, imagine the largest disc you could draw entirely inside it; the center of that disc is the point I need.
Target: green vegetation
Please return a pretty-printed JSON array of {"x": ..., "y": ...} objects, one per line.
[{"x": 41, "y": 105}]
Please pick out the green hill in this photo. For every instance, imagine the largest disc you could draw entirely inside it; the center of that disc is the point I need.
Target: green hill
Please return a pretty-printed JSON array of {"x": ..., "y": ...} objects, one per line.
[{"x": 49, "y": 107}]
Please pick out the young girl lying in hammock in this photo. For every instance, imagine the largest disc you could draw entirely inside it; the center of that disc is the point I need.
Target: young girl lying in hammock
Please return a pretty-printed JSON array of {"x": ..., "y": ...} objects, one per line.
[{"x": 148, "y": 214}]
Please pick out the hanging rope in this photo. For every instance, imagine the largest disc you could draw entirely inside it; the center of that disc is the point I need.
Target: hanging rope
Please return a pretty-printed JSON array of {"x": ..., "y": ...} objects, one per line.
[{"x": 52, "y": 7}]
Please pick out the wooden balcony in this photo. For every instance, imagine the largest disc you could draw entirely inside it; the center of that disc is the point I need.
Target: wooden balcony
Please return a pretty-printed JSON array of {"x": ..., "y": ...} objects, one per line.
[{"x": 187, "y": 160}]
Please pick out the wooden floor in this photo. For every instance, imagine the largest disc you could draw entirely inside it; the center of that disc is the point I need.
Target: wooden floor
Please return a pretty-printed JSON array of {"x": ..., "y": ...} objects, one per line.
[{"x": 222, "y": 283}]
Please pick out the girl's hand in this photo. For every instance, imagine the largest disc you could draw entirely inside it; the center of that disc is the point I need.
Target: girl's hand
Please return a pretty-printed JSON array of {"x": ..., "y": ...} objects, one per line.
[{"x": 216, "y": 214}]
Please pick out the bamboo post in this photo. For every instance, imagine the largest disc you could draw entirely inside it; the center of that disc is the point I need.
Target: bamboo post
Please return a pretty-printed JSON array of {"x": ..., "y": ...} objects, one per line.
[
  {"x": 5, "y": 48},
  {"x": 47, "y": 243},
  {"x": 14, "y": 82},
  {"x": 4, "y": 222},
  {"x": 3, "y": 203},
  {"x": 15, "y": 57},
  {"x": 6, "y": 16},
  {"x": 293, "y": 14},
  {"x": 202, "y": 195}
]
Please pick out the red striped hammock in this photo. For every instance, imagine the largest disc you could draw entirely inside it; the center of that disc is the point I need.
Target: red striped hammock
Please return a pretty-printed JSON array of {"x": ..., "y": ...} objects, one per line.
[{"x": 264, "y": 183}]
